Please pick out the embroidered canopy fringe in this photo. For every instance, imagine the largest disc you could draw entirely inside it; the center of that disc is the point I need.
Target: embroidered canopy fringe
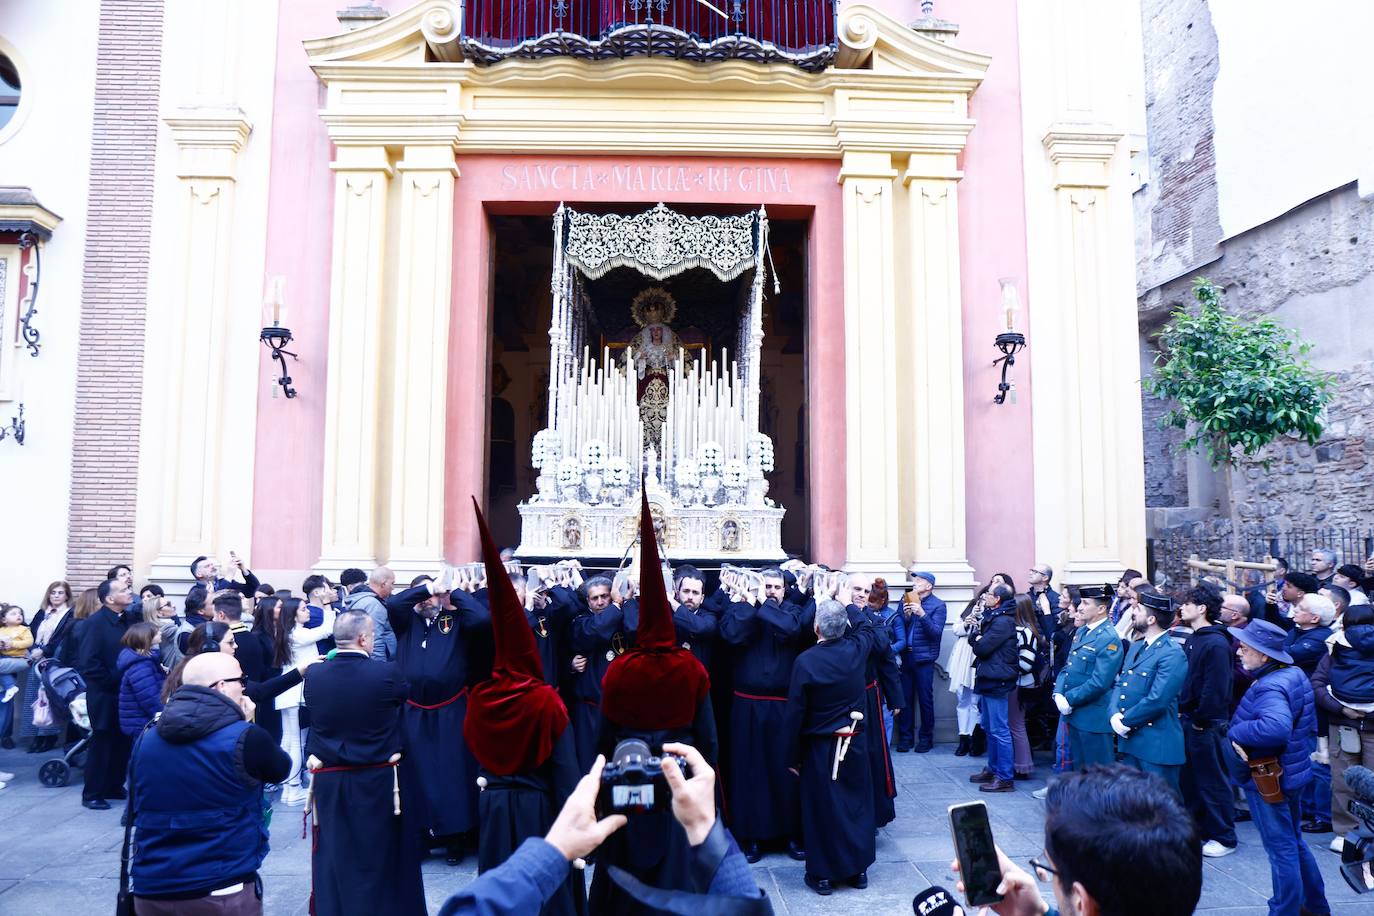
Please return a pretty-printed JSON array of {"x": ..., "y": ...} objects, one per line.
[{"x": 661, "y": 243}]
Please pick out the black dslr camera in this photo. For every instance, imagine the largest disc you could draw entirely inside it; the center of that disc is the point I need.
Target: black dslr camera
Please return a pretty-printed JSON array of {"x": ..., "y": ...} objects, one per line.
[
  {"x": 632, "y": 781},
  {"x": 1357, "y": 858}
]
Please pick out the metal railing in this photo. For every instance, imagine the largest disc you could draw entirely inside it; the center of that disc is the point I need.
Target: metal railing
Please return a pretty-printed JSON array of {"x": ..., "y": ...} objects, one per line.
[
  {"x": 798, "y": 30},
  {"x": 1168, "y": 555}
]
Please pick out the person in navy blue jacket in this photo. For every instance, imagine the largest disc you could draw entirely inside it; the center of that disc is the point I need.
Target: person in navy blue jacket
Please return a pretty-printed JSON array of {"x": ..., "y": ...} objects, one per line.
[
  {"x": 140, "y": 678},
  {"x": 1277, "y": 721},
  {"x": 920, "y": 626},
  {"x": 1306, "y": 642}
]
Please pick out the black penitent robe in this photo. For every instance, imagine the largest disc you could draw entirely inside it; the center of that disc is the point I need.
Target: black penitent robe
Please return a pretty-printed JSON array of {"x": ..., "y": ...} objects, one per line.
[
  {"x": 515, "y": 808},
  {"x": 837, "y": 815},
  {"x": 882, "y": 682},
  {"x": 653, "y": 847},
  {"x": 366, "y": 859},
  {"x": 432, "y": 655},
  {"x": 763, "y": 792},
  {"x": 594, "y": 636}
]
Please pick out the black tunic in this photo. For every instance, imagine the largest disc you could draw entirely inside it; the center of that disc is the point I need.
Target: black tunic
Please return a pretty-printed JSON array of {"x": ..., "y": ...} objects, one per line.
[
  {"x": 653, "y": 847},
  {"x": 594, "y": 636},
  {"x": 837, "y": 815},
  {"x": 880, "y": 678},
  {"x": 365, "y": 858},
  {"x": 763, "y": 791},
  {"x": 517, "y": 807},
  {"x": 432, "y": 656}
]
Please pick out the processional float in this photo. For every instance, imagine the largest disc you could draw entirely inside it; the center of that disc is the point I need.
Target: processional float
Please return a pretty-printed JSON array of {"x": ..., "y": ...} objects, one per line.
[{"x": 688, "y": 424}]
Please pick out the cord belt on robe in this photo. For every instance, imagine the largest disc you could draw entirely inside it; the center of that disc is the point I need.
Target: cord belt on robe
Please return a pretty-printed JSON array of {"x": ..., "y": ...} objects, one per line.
[
  {"x": 842, "y": 738},
  {"x": 317, "y": 766},
  {"x": 452, "y": 699},
  {"x": 750, "y": 696}
]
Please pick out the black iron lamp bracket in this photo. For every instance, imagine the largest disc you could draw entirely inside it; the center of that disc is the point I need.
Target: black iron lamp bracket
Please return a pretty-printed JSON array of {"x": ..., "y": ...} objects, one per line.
[{"x": 1010, "y": 343}]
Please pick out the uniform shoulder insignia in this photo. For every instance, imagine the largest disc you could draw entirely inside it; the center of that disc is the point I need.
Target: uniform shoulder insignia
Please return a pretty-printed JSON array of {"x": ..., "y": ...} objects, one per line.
[{"x": 1112, "y": 647}]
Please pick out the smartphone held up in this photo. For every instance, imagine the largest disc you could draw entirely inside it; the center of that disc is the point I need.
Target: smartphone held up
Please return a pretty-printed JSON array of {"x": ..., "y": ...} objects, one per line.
[{"x": 977, "y": 853}]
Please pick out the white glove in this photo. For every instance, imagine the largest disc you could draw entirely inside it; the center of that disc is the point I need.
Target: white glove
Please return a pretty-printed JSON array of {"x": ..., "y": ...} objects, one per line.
[
  {"x": 1063, "y": 704},
  {"x": 1322, "y": 754},
  {"x": 1119, "y": 725}
]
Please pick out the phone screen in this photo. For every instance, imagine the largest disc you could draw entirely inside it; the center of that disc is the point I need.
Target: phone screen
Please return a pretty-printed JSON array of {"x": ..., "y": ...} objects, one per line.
[{"x": 977, "y": 853}]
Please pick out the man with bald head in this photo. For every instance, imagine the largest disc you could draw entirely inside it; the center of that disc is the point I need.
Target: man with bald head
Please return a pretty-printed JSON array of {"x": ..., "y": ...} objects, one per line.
[{"x": 195, "y": 781}]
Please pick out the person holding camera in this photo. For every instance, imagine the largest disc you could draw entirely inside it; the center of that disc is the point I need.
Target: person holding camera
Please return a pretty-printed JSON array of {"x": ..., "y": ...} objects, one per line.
[
  {"x": 659, "y": 693},
  {"x": 518, "y": 729},
  {"x": 1116, "y": 840},
  {"x": 992, "y": 637},
  {"x": 539, "y": 867}
]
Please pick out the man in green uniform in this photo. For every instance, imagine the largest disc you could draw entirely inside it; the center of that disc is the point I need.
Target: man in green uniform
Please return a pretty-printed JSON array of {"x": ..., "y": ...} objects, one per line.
[
  {"x": 1146, "y": 697},
  {"x": 1083, "y": 689}
]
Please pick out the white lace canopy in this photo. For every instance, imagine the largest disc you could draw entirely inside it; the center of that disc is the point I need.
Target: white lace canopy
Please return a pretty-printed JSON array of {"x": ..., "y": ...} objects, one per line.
[{"x": 660, "y": 243}]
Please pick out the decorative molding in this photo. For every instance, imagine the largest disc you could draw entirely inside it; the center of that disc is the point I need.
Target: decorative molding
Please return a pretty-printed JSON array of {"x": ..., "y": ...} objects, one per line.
[
  {"x": 655, "y": 40},
  {"x": 1082, "y": 156}
]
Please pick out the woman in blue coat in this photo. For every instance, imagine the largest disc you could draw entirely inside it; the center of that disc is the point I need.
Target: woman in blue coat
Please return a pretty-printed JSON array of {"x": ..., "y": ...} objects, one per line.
[
  {"x": 140, "y": 678},
  {"x": 1277, "y": 719}
]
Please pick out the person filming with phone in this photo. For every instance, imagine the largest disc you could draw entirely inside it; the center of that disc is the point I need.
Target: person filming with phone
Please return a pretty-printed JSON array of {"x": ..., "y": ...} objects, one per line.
[{"x": 1118, "y": 842}]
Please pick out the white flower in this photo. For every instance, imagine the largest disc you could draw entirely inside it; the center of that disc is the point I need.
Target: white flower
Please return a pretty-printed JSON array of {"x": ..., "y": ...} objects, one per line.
[
  {"x": 736, "y": 473},
  {"x": 686, "y": 473},
  {"x": 594, "y": 455},
  {"x": 618, "y": 472},
  {"x": 569, "y": 472},
  {"x": 709, "y": 457}
]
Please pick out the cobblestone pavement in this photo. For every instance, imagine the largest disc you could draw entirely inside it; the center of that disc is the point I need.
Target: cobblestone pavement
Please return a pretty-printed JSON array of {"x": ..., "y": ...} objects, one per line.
[{"x": 62, "y": 859}]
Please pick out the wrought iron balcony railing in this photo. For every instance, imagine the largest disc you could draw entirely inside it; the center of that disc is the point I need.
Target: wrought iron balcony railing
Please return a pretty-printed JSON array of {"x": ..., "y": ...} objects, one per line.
[{"x": 798, "y": 32}]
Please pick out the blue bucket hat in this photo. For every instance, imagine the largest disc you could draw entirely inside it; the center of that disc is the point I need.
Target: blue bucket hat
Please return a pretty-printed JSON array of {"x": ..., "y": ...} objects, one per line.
[{"x": 1263, "y": 636}]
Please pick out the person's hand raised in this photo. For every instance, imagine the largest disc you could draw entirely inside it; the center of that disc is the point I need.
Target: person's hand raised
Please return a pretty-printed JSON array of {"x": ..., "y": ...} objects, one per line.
[
  {"x": 312, "y": 660},
  {"x": 694, "y": 800},
  {"x": 1020, "y": 895},
  {"x": 576, "y": 832}
]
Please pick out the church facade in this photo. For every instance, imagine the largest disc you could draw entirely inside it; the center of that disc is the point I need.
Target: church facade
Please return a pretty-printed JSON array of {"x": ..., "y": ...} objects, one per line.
[{"x": 384, "y": 183}]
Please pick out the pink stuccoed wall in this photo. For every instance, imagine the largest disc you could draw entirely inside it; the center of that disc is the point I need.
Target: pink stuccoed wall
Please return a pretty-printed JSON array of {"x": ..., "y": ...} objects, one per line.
[
  {"x": 289, "y": 468},
  {"x": 1000, "y": 475}
]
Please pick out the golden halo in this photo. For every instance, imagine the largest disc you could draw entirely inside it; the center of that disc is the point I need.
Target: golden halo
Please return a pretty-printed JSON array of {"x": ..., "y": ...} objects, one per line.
[{"x": 655, "y": 297}]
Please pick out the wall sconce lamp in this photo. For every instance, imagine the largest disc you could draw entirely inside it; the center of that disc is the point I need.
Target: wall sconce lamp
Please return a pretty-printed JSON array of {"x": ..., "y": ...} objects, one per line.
[
  {"x": 15, "y": 429},
  {"x": 30, "y": 333},
  {"x": 1010, "y": 341},
  {"x": 275, "y": 335}
]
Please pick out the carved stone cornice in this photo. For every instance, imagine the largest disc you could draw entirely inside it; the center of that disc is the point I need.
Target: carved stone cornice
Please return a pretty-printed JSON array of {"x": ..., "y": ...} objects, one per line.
[
  {"x": 209, "y": 140},
  {"x": 1082, "y": 155}
]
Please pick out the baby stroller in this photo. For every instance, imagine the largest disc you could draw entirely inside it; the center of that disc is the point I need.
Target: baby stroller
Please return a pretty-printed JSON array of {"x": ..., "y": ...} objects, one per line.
[{"x": 66, "y": 693}]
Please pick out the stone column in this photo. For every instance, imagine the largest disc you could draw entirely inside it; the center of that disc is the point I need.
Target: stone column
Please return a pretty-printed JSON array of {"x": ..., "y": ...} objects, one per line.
[
  {"x": 869, "y": 346},
  {"x": 195, "y": 324},
  {"x": 931, "y": 371},
  {"x": 352, "y": 430},
  {"x": 418, "y": 401}
]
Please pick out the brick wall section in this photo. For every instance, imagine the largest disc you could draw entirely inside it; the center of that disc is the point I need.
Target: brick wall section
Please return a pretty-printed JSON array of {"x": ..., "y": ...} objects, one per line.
[{"x": 114, "y": 287}]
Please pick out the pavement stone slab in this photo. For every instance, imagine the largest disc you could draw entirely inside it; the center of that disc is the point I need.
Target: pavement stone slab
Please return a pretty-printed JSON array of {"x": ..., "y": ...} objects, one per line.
[{"x": 70, "y": 859}]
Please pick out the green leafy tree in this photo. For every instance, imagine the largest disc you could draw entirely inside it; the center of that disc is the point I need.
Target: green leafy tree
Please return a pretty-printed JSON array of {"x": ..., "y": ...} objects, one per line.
[{"x": 1235, "y": 385}]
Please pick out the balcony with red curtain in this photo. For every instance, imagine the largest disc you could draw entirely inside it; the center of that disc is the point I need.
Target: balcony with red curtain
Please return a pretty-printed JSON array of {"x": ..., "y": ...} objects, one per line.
[{"x": 797, "y": 32}]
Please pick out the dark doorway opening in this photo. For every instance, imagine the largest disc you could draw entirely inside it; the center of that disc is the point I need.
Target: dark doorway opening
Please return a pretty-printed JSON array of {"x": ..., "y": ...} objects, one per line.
[{"x": 707, "y": 312}]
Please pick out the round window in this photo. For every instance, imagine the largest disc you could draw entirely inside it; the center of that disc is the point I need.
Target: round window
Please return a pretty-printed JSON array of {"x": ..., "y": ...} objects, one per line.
[{"x": 9, "y": 89}]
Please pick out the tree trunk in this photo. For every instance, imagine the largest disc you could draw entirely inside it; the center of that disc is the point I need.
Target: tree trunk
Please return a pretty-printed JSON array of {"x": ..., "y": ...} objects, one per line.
[{"x": 1232, "y": 498}]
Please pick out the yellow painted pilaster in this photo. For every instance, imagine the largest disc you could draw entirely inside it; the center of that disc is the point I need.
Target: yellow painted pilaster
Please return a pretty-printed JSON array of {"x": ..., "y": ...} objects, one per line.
[
  {"x": 424, "y": 179},
  {"x": 195, "y": 324},
  {"x": 362, "y": 179},
  {"x": 869, "y": 340},
  {"x": 931, "y": 370}
]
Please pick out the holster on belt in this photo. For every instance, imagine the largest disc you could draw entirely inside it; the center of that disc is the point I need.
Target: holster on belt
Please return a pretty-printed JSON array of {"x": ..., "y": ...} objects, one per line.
[{"x": 1267, "y": 772}]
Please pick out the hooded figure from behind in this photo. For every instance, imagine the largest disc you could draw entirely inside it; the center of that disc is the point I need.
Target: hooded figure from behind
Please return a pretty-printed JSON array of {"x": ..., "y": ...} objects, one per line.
[
  {"x": 517, "y": 728},
  {"x": 657, "y": 692}
]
